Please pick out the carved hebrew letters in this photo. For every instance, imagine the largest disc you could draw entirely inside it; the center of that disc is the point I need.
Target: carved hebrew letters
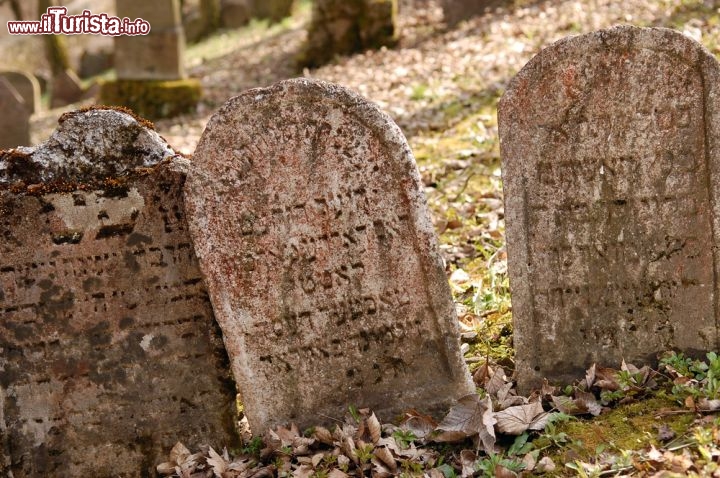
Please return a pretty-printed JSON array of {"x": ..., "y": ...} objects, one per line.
[
  {"x": 320, "y": 258},
  {"x": 609, "y": 166}
]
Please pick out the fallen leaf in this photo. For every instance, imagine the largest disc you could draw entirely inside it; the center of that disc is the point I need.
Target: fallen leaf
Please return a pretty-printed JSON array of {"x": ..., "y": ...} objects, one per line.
[
  {"x": 545, "y": 465},
  {"x": 471, "y": 416},
  {"x": 516, "y": 420},
  {"x": 217, "y": 463},
  {"x": 303, "y": 471},
  {"x": 706, "y": 405},
  {"x": 467, "y": 461},
  {"x": 335, "y": 473},
  {"x": 665, "y": 433},
  {"x": 374, "y": 428},
  {"x": 386, "y": 458}
]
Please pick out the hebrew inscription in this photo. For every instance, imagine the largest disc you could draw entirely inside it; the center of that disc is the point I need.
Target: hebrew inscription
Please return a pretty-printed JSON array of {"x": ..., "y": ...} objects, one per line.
[
  {"x": 610, "y": 171},
  {"x": 320, "y": 258},
  {"x": 109, "y": 352}
]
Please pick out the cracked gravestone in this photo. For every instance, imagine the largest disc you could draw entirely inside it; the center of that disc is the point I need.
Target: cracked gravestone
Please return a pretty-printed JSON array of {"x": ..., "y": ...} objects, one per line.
[
  {"x": 109, "y": 353},
  {"x": 610, "y": 167},
  {"x": 313, "y": 234}
]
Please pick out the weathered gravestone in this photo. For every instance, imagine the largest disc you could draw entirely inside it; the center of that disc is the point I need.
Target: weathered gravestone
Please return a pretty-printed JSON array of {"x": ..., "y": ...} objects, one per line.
[
  {"x": 611, "y": 172},
  {"x": 157, "y": 55},
  {"x": 14, "y": 117},
  {"x": 109, "y": 352},
  {"x": 66, "y": 88},
  {"x": 313, "y": 234},
  {"x": 27, "y": 86}
]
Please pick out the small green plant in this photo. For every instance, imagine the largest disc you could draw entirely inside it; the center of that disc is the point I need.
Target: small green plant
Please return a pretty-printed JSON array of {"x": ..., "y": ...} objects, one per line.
[
  {"x": 488, "y": 466},
  {"x": 404, "y": 437},
  {"x": 365, "y": 453},
  {"x": 253, "y": 447}
]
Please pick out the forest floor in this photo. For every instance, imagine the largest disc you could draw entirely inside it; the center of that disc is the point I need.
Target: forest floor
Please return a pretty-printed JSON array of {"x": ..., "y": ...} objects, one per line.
[{"x": 441, "y": 85}]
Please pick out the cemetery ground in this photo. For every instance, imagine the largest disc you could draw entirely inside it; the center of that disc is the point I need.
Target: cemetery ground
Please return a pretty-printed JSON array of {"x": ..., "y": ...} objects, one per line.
[{"x": 442, "y": 87}]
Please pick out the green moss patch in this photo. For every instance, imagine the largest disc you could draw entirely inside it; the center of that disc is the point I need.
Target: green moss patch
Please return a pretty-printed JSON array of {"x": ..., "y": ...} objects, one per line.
[{"x": 153, "y": 99}]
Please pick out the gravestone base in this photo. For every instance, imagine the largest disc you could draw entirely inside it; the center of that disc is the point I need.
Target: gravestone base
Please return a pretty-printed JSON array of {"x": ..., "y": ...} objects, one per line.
[{"x": 153, "y": 99}]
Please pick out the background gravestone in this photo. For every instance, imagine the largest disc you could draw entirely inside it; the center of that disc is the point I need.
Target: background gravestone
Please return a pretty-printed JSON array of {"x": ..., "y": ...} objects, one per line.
[
  {"x": 610, "y": 167},
  {"x": 109, "y": 352},
  {"x": 27, "y": 86},
  {"x": 321, "y": 261},
  {"x": 158, "y": 55},
  {"x": 14, "y": 117}
]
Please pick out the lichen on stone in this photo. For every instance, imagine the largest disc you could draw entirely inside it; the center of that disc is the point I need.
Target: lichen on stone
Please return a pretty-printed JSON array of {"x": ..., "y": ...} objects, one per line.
[{"x": 87, "y": 146}]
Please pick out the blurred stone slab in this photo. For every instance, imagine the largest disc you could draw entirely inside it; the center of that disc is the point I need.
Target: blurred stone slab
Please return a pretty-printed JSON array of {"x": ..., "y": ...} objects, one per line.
[
  {"x": 313, "y": 234},
  {"x": 27, "y": 86},
  {"x": 455, "y": 11},
  {"x": 611, "y": 174},
  {"x": 235, "y": 13},
  {"x": 14, "y": 117},
  {"x": 109, "y": 353},
  {"x": 158, "y": 55},
  {"x": 66, "y": 89}
]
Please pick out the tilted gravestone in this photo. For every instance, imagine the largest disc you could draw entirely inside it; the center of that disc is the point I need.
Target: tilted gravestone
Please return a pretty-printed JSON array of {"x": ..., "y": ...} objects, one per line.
[
  {"x": 611, "y": 170},
  {"x": 27, "y": 86},
  {"x": 157, "y": 55},
  {"x": 313, "y": 234},
  {"x": 14, "y": 117},
  {"x": 109, "y": 352}
]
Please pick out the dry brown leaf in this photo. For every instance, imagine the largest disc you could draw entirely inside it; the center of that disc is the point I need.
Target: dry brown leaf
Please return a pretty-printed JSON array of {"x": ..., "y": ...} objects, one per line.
[
  {"x": 303, "y": 471},
  {"x": 323, "y": 435},
  {"x": 496, "y": 382},
  {"x": 374, "y": 428},
  {"x": 167, "y": 468},
  {"x": 606, "y": 379},
  {"x": 471, "y": 416},
  {"x": 502, "y": 472},
  {"x": 335, "y": 473},
  {"x": 316, "y": 459},
  {"x": 467, "y": 462},
  {"x": 420, "y": 425},
  {"x": 216, "y": 462},
  {"x": 706, "y": 405},
  {"x": 590, "y": 376},
  {"x": 545, "y": 465},
  {"x": 384, "y": 455},
  {"x": 529, "y": 460},
  {"x": 179, "y": 453},
  {"x": 516, "y": 420}
]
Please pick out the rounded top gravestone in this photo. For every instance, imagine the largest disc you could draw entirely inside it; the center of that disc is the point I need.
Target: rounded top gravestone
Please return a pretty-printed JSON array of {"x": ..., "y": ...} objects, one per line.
[
  {"x": 610, "y": 166},
  {"x": 320, "y": 258}
]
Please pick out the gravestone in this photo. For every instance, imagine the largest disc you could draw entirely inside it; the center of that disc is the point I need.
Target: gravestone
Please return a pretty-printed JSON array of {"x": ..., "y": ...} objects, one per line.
[
  {"x": 611, "y": 170},
  {"x": 27, "y": 86},
  {"x": 235, "y": 13},
  {"x": 66, "y": 89},
  {"x": 157, "y": 55},
  {"x": 109, "y": 353},
  {"x": 14, "y": 117},
  {"x": 312, "y": 231}
]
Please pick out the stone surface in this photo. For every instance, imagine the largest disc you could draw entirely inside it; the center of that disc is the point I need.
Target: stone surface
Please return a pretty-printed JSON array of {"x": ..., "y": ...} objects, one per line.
[
  {"x": 27, "y": 86},
  {"x": 66, "y": 89},
  {"x": 311, "y": 228},
  {"x": 94, "y": 62},
  {"x": 611, "y": 170},
  {"x": 86, "y": 146},
  {"x": 14, "y": 117},
  {"x": 158, "y": 55},
  {"x": 455, "y": 11},
  {"x": 109, "y": 352},
  {"x": 234, "y": 13},
  {"x": 341, "y": 27}
]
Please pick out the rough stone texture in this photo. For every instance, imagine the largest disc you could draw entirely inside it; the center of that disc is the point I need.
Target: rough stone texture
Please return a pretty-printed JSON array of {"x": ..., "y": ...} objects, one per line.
[
  {"x": 109, "y": 353},
  {"x": 158, "y": 55},
  {"x": 341, "y": 27},
  {"x": 87, "y": 146},
  {"x": 27, "y": 86},
  {"x": 610, "y": 167},
  {"x": 66, "y": 89},
  {"x": 314, "y": 237},
  {"x": 14, "y": 117}
]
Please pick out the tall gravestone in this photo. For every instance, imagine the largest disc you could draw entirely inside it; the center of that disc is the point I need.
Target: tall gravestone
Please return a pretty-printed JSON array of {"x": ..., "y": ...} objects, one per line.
[
  {"x": 611, "y": 174},
  {"x": 157, "y": 55},
  {"x": 14, "y": 117},
  {"x": 308, "y": 218},
  {"x": 109, "y": 353},
  {"x": 27, "y": 86}
]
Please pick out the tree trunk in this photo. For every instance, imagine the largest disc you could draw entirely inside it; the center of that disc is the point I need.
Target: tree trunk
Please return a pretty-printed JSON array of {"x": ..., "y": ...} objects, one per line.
[{"x": 55, "y": 48}]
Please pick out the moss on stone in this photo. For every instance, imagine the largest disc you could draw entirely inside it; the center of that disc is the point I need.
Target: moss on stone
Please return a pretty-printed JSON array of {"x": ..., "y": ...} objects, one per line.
[
  {"x": 627, "y": 427},
  {"x": 153, "y": 99}
]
